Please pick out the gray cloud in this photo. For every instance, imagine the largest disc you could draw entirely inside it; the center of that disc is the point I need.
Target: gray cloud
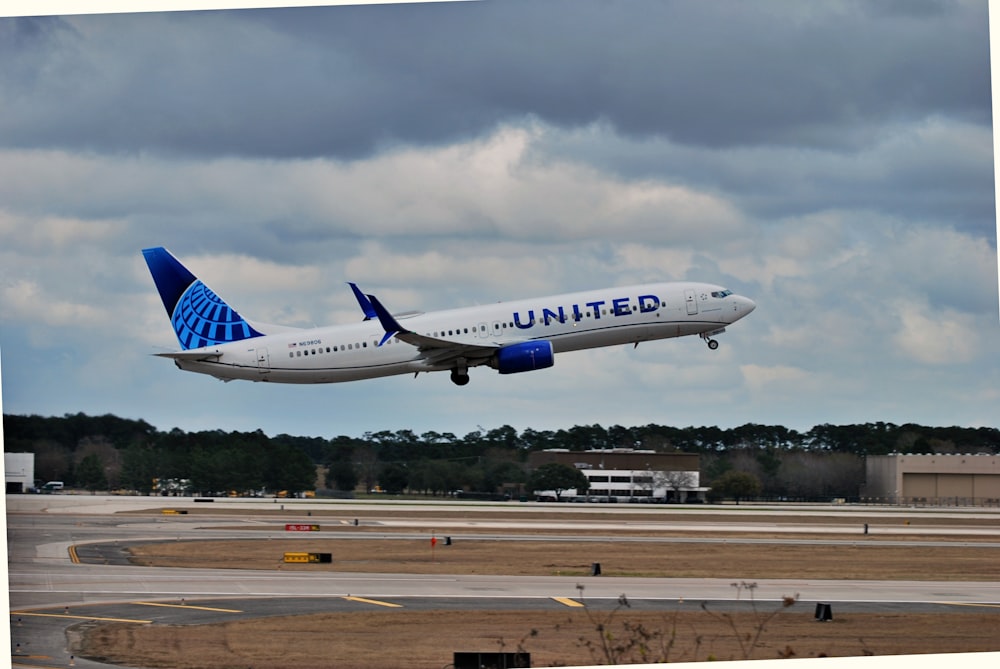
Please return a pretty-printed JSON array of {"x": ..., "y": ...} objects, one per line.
[
  {"x": 937, "y": 169},
  {"x": 333, "y": 81}
]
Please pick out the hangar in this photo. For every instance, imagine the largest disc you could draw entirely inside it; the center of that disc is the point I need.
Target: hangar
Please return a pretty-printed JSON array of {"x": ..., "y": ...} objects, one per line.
[
  {"x": 936, "y": 479},
  {"x": 19, "y": 472}
]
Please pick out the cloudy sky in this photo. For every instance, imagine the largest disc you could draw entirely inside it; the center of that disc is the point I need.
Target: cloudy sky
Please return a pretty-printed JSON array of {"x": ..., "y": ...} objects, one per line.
[{"x": 831, "y": 160}]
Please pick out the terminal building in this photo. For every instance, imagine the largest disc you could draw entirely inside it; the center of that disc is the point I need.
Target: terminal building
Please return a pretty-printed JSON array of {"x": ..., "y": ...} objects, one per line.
[
  {"x": 627, "y": 475},
  {"x": 939, "y": 480}
]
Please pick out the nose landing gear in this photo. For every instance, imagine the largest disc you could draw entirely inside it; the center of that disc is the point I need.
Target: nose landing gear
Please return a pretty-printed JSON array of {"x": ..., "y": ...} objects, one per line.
[{"x": 707, "y": 336}]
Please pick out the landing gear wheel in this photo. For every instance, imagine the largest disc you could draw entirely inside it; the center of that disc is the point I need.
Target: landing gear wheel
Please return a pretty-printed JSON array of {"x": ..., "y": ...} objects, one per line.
[
  {"x": 458, "y": 378},
  {"x": 712, "y": 344}
]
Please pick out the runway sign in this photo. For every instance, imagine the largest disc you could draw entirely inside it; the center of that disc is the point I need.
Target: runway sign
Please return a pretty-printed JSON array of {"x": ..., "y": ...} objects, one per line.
[
  {"x": 304, "y": 558},
  {"x": 292, "y": 527}
]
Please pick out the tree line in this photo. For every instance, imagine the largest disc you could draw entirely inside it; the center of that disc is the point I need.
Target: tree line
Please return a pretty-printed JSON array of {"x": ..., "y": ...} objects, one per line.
[{"x": 108, "y": 452}]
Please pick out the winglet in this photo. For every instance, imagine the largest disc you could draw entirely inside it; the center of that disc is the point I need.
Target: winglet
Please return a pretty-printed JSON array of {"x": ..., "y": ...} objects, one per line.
[
  {"x": 389, "y": 324},
  {"x": 363, "y": 302}
]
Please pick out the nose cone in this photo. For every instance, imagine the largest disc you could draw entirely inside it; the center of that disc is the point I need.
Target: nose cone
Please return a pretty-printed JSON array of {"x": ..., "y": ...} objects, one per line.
[{"x": 744, "y": 305}]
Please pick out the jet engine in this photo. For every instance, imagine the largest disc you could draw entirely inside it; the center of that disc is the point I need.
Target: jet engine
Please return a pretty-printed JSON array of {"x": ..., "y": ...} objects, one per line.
[{"x": 523, "y": 357}]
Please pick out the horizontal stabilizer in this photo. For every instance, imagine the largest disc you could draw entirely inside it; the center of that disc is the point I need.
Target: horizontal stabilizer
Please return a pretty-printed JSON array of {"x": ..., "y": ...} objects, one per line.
[{"x": 198, "y": 354}]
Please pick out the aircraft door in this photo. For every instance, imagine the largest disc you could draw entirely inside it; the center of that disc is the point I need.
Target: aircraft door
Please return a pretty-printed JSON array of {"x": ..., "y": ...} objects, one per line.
[
  {"x": 482, "y": 330},
  {"x": 497, "y": 329},
  {"x": 263, "y": 361},
  {"x": 691, "y": 302}
]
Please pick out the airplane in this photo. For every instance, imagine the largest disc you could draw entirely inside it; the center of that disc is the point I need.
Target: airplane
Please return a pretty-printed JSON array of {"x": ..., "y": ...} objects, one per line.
[{"x": 510, "y": 337}]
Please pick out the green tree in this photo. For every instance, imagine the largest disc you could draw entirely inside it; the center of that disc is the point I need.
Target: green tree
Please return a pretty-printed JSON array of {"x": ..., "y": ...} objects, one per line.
[
  {"x": 393, "y": 478},
  {"x": 558, "y": 477},
  {"x": 341, "y": 476},
  {"x": 499, "y": 472},
  {"x": 434, "y": 476},
  {"x": 367, "y": 463},
  {"x": 139, "y": 467},
  {"x": 90, "y": 474},
  {"x": 736, "y": 484},
  {"x": 504, "y": 437},
  {"x": 208, "y": 472},
  {"x": 289, "y": 468}
]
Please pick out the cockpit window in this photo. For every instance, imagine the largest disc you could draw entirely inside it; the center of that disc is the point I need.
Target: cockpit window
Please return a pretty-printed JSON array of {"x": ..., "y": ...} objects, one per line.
[{"x": 721, "y": 293}]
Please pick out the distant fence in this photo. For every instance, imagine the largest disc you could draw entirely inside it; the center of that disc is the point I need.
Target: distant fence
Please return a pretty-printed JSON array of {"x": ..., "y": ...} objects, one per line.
[
  {"x": 892, "y": 500},
  {"x": 952, "y": 501}
]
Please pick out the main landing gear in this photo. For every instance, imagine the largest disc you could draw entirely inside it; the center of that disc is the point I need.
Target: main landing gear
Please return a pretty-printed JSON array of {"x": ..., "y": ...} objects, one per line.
[{"x": 460, "y": 373}]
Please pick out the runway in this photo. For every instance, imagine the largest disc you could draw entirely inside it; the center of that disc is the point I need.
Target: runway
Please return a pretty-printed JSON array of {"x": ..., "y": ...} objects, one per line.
[{"x": 50, "y": 593}]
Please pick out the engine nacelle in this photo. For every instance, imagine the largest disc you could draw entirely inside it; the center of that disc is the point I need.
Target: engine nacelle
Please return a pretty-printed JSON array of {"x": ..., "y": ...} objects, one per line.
[{"x": 524, "y": 357}]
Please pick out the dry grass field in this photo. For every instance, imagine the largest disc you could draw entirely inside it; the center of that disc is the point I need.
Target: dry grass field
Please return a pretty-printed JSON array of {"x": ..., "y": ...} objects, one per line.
[
  {"x": 385, "y": 640},
  {"x": 860, "y": 560},
  {"x": 401, "y": 638}
]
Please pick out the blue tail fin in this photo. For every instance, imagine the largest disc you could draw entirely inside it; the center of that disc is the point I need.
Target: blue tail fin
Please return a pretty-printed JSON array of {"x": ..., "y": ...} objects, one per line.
[{"x": 199, "y": 316}]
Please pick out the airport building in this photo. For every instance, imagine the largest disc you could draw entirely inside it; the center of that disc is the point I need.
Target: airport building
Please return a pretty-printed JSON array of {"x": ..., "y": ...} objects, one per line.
[
  {"x": 627, "y": 475},
  {"x": 19, "y": 472},
  {"x": 940, "y": 480}
]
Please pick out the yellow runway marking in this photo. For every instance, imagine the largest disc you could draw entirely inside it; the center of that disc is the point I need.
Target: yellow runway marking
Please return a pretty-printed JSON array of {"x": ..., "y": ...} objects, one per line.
[
  {"x": 74, "y": 558},
  {"x": 373, "y": 601},
  {"x": 187, "y": 606},
  {"x": 72, "y": 617},
  {"x": 566, "y": 601}
]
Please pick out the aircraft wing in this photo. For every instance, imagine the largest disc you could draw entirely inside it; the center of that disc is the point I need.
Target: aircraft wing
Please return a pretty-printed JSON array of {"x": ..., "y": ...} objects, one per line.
[{"x": 437, "y": 352}]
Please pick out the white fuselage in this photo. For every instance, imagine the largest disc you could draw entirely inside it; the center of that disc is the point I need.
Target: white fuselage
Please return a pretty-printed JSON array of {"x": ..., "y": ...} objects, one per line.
[{"x": 570, "y": 322}]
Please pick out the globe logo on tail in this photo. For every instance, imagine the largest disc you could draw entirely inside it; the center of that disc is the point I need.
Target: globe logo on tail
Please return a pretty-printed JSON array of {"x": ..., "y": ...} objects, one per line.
[{"x": 201, "y": 318}]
